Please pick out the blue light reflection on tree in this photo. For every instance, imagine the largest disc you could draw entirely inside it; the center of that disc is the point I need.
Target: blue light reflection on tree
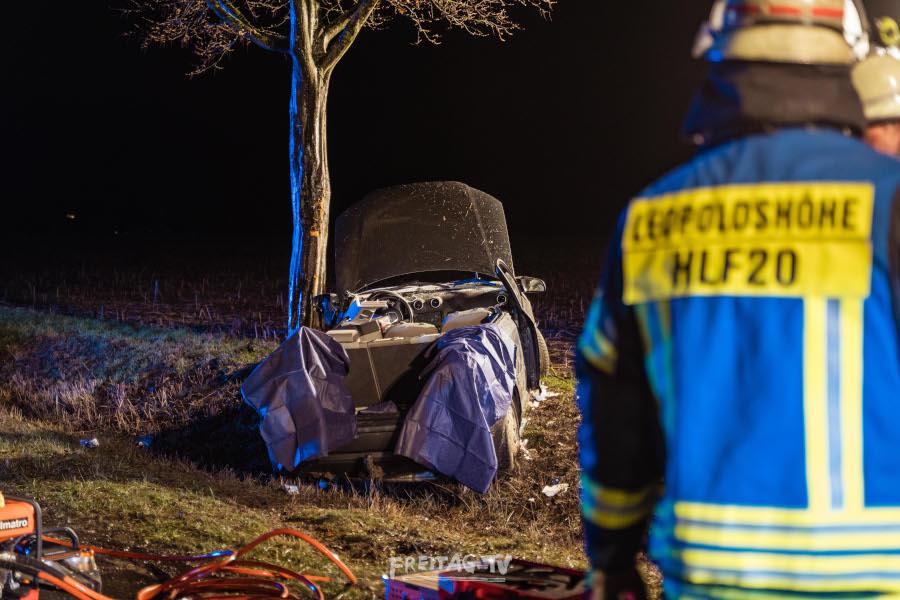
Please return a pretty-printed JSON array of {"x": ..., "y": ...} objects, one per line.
[{"x": 295, "y": 293}]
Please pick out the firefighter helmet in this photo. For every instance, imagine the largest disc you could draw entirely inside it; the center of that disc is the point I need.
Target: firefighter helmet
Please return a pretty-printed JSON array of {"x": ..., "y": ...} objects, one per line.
[
  {"x": 877, "y": 80},
  {"x": 785, "y": 31}
]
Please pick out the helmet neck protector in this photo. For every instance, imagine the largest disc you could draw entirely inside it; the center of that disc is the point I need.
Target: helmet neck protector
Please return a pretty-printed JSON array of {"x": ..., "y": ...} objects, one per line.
[{"x": 743, "y": 98}]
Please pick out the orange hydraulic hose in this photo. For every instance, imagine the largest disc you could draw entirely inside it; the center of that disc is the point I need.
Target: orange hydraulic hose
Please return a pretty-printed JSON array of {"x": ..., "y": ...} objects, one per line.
[
  {"x": 72, "y": 587},
  {"x": 247, "y": 567},
  {"x": 246, "y": 584},
  {"x": 140, "y": 555},
  {"x": 255, "y": 580},
  {"x": 309, "y": 540}
]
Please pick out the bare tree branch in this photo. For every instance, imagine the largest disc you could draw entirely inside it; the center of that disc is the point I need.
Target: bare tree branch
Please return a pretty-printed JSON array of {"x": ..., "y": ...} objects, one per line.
[
  {"x": 207, "y": 29},
  {"x": 327, "y": 33},
  {"x": 345, "y": 38},
  {"x": 213, "y": 28},
  {"x": 231, "y": 15},
  {"x": 475, "y": 17}
]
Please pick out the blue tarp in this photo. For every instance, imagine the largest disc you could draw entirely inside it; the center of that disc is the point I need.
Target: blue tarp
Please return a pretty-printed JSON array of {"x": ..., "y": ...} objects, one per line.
[
  {"x": 299, "y": 392},
  {"x": 307, "y": 412},
  {"x": 471, "y": 380}
]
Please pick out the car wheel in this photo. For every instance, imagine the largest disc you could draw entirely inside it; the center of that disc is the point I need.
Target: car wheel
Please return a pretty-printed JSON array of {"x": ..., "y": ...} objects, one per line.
[
  {"x": 543, "y": 354},
  {"x": 506, "y": 437}
]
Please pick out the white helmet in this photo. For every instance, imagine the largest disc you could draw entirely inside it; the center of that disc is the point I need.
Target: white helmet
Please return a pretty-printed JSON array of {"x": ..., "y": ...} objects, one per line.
[
  {"x": 785, "y": 31},
  {"x": 877, "y": 80}
]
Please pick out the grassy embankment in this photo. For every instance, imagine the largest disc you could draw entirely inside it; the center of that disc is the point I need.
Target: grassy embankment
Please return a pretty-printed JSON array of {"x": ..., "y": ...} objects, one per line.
[{"x": 63, "y": 379}]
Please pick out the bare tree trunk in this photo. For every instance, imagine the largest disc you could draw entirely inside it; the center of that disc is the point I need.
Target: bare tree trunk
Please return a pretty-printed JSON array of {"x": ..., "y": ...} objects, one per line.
[
  {"x": 310, "y": 183},
  {"x": 315, "y": 49},
  {"x": 311, "y": 193},
  {"x": 316, "y": 196},
  {"x": 295, "y": 289}
]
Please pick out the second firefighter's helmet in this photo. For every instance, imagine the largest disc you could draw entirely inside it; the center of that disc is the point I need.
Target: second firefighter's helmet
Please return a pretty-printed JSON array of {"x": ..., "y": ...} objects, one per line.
[
  {"x": 877, "y": 78},
  {"x": 785, "y": 31}
]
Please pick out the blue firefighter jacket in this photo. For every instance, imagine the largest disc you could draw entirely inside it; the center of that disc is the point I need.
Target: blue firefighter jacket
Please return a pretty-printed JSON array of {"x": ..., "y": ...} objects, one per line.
[{"x": 739, "y": 373}]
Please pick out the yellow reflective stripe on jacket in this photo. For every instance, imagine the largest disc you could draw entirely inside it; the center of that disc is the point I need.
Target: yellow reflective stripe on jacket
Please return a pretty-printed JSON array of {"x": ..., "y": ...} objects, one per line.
[
  {"x": 595, "y": 346},
  {"x": 706, "y": 534},
  {"x": 612, "y": 508},
  {"x": 600, "y": 353},
  {"x": 815, "y": 409},
  {"x": 852, "y": 403},
  {"x": 832, "y": 403},
  {"x": 693, "y": 592},
  {"x": 774, "y": 529},
  {"x": 784, "y": 517},
  {"x": 763, "y": 581},
  {"x": 755, "y": 562}
]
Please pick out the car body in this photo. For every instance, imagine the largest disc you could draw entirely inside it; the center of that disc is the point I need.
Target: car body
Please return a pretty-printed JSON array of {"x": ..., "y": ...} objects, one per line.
[{"x": 412, "y": 263}]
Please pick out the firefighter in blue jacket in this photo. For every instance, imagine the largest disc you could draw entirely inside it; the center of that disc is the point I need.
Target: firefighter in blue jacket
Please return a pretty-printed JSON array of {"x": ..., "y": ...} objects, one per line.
[{"x": 739, "y": 372}]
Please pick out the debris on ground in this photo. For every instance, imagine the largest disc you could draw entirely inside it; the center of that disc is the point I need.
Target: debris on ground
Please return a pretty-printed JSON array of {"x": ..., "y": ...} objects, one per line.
[
  {"x": 555, "y": 488},
  {"x": 290, "y": 489},
  {"x": 91, "y": 443},
  {"x": 545, "y": 394}
]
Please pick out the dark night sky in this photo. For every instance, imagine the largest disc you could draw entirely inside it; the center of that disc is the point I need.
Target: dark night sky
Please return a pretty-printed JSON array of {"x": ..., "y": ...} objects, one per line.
[{"x": 563, "y": 122}]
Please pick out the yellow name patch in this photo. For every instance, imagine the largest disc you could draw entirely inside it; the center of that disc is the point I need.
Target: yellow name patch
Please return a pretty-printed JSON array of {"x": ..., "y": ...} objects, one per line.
[{"x": 782, "y": 240}]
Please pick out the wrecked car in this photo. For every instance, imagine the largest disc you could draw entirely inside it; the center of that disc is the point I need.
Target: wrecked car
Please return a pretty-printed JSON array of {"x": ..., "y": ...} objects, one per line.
[{"x": 431, "y": 351}]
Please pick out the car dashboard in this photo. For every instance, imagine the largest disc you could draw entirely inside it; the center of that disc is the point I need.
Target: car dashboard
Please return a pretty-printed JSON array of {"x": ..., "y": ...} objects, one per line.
[
  {"x": 431, "y": 304},
  {"x": 387, "y": 330}
]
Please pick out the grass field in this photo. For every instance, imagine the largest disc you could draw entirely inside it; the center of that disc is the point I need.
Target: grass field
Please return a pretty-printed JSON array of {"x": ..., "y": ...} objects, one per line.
[
  {"x": 68, "y": 378},
  {"x": 120, "y": 339}
]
